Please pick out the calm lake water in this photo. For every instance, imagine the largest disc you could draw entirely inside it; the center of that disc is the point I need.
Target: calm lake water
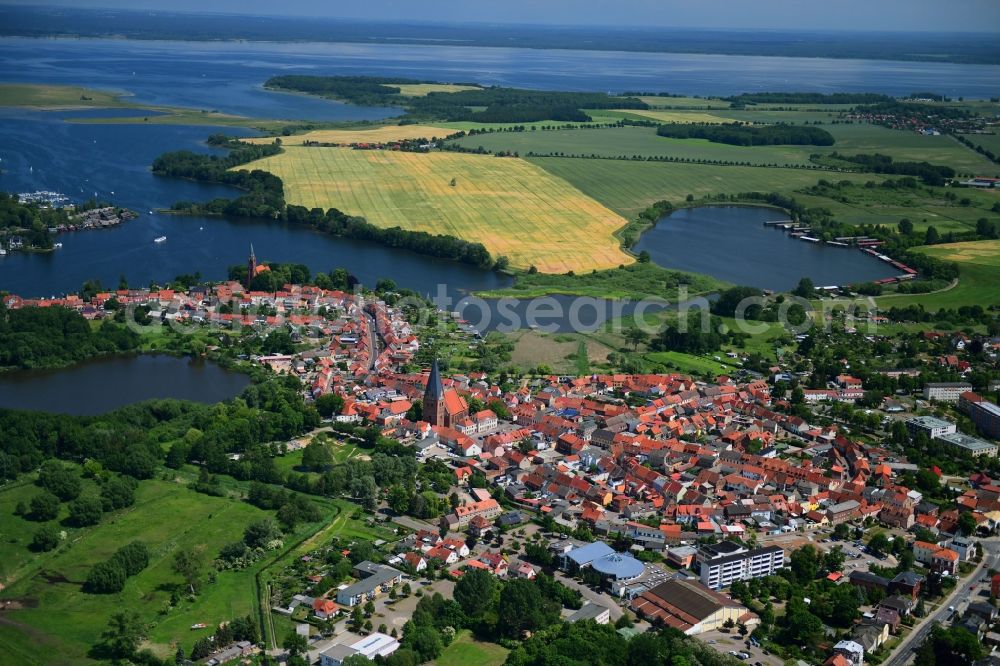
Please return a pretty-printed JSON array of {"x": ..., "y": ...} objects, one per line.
[
  {"x": 732, "y": 244},
  {"x": 227, "y": 75},
  {"x": 101, "y": 385},
  {"x": 38, "y": 151}
]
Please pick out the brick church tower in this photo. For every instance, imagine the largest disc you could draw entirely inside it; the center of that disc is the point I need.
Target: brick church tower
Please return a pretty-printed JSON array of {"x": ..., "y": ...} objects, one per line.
[{"x": 433, "y": 407}]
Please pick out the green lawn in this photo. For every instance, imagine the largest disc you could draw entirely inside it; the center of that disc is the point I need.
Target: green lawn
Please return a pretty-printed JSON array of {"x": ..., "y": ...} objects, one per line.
[
  {"x": 689, "y": 363},
  {"x": 467, "y": 651},
  {"x": 907, "y": 146}
]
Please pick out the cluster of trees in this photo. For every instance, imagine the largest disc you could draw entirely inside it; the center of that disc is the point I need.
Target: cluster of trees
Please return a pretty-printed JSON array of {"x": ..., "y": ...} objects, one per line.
[
  {"x": 237, "y": 629},
  {"x": 29, "y": 221},
  {"x": 498, "y": 609},
  {"x": 585, "y": 643},
  {"x": 695, "y": 337},
  {"x": 930, "y": 174},
  {"x": 498, "y": 105},
  {"x": 264, "y": 192},
  {"x": 292, "y": 508},
  {"x": 737, "y": 134},
  {"x": 61, "y": 484},
  {"x": 110, "y": 576},
  {"x": 33, "y": 337},
  {"x": 129, "y": 440},
  {"x": 807, "y": 98},
  {"x": 274, "y": 278},
  {"x": 443, "y": 246},
  {"x": 258, "y": 538}
]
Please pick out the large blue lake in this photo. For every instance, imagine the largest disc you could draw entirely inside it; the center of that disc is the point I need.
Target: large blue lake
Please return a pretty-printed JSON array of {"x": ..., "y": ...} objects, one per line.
[
  {"x": 227, "y": 76},
  {"x": 39, "y": 151}
]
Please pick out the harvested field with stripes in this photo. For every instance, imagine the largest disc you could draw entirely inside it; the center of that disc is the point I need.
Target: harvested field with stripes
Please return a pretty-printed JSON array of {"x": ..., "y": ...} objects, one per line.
[{"x": 511, "y": 206}]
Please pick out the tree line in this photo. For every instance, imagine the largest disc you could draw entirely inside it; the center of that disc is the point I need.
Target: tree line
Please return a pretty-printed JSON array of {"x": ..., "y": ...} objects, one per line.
[
  {"x": 736, "y": 134},
  {"x": 486, "y": 105},
  {"x": 807, "y": 98},
  {"x": 930, "y": 174}
]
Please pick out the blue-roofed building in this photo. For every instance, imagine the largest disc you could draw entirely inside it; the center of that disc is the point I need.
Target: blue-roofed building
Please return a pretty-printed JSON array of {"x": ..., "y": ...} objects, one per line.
[
  {"x": 583, "y": 556},
  {"x": 618, "y": 567}
]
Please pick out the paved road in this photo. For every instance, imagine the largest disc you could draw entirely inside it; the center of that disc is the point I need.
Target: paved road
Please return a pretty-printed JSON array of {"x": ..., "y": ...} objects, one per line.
[
  {"x": 904, "y": 651},
  {"x": 372, "y": 340}
]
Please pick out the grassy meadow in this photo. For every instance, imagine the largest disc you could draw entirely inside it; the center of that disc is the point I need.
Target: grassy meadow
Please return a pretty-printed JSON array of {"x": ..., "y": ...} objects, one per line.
[
  {"x": 57, "y": 97},
  {"x": 978, "y": 271},
  {"x": 68, "y": 621},
  {"x": 629, "y": 187},
  {"x": 511, "y": 206},
  {"x": 424, "y": 89}
]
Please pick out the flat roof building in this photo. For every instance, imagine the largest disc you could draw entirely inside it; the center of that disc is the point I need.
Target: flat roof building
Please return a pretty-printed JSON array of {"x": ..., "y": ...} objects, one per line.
[
  {"x": 930, "y": 426},
  {"x": 945, "y": 391},
  {"x": 972, "y": 445}
]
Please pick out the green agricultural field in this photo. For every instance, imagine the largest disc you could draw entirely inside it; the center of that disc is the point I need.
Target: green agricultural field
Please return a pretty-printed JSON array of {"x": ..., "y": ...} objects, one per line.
[
  {"x": 987, "y": 141},
  {"x": 979, "y": 274},
  {"x": 59, "y": 622},
  {"x": 923, "y": 206},
  {"x": 511, "y": 206},
  {"x": 467, "y": 651},
  {"x": 423, "y": 89},
  {"x": 669, "y": 115},
  {"x": 907, "y": 146},
  {"x": 632, "y": 141},
  {"x": 658, "y": 102},
  {"x": 629, "y": 187}
]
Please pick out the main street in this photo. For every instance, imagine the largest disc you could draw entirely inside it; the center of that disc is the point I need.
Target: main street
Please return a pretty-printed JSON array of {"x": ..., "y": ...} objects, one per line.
[{"x": 905, "y": 650}]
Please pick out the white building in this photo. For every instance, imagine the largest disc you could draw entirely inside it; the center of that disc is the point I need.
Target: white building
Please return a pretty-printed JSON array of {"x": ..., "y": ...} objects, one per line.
[
  {"x": 930, "y": 426},
  {"x": 371, "y": 646},
  {"x": 945, "y": 391},
  {"x": 725, "y": 562}
]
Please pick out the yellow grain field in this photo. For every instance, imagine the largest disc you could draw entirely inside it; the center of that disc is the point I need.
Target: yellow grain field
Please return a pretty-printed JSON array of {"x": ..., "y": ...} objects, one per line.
[
  {"x": 422, "y": 89},
  {"x": 668, "y": 116},
  {"x": 346, "y": 137},
  {"x": 512, "y": 207}
]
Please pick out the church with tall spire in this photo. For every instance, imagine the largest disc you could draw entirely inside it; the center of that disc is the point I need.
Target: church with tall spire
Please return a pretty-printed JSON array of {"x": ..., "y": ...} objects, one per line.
[
  {"x": 251, "y": 266},
  {"x": 442, "y": 407}
]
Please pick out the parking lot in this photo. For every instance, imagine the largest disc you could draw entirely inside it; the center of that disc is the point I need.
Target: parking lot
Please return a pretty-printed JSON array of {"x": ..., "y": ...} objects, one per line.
[{"x": 733, "y": 642}]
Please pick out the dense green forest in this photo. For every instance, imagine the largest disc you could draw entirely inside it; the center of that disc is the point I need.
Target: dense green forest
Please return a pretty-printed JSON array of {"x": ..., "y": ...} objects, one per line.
[
  {"x": 485, "y": 105},
  {"x": 736, "y": 134},
  {"x": 57, "y": 336}
]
